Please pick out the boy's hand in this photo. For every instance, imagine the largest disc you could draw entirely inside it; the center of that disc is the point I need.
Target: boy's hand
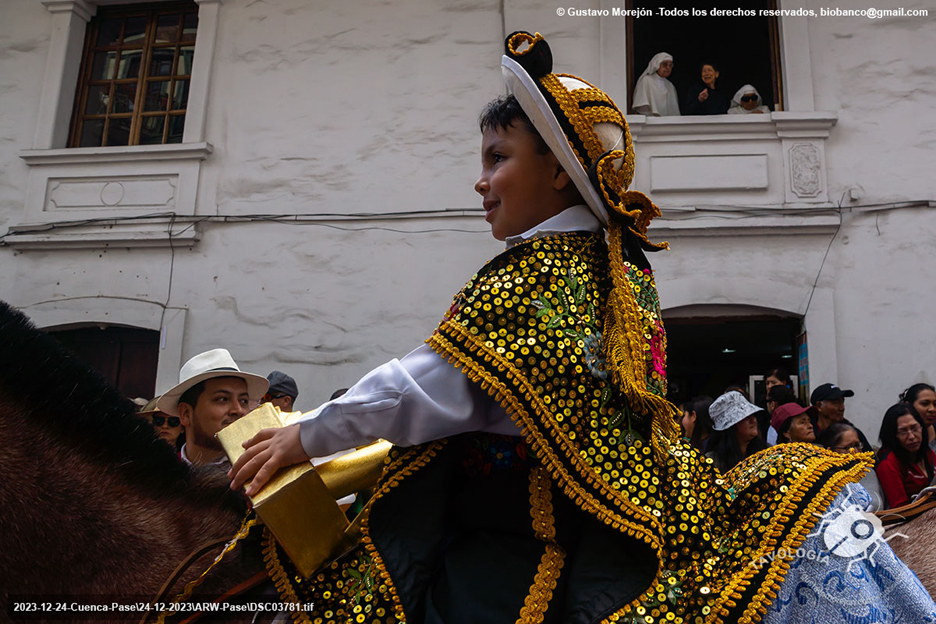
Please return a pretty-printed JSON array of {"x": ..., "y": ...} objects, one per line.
[{"x": 267, "y": 452}]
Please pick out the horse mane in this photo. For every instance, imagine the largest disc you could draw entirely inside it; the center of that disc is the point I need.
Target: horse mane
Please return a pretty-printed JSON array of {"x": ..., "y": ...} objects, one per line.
[{"x": 74, "y": 404}]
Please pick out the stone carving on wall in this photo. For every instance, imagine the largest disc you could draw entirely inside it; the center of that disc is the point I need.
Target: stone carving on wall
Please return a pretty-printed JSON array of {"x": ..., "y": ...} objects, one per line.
[{"x": 805, "y": 169}]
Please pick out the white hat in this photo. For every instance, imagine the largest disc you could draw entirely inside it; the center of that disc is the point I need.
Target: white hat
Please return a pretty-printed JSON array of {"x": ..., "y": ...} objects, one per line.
[
  {"x": 730, "y": 409},
  {"x": 209, "y": 365}
]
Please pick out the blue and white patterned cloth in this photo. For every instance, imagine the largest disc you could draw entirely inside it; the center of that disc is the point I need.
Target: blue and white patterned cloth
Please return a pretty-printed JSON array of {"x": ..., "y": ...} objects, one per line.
[{"x": 849, "y": 580}]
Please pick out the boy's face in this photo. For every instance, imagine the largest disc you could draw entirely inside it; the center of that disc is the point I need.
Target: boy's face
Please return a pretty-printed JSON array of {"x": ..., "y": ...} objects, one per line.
[{"x": 521, "y": 187}]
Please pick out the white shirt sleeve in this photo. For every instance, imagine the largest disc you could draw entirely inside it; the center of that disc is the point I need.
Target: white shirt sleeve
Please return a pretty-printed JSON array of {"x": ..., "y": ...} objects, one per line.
[{"x": 407, "y": 402}]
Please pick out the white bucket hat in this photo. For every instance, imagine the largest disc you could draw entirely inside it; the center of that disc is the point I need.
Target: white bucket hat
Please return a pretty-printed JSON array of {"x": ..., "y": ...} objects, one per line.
[
  {"x": 209, "y": 365},
  {"x": 729, "y": 409}
]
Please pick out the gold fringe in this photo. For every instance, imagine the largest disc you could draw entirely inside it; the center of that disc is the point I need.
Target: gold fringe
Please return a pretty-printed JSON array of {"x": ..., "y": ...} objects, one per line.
[
  {"x": 280, "y": 578},
  {"x": 550, "y": 566},
  {"x": 425, "y": 455}
]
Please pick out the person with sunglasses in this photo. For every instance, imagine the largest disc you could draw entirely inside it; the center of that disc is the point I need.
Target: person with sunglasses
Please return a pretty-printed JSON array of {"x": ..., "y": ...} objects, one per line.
[
  {"x": 841, "y": 437},
  {"x": 747, "y": 101},
  {"x": 906, "y": 461},
  {"x": 283, "y": 391},
  {"x": 168, "y": 428}
]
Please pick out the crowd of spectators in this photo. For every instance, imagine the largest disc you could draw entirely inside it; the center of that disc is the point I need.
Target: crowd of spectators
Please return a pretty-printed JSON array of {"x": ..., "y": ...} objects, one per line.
[{"x": 731, "y": 428}]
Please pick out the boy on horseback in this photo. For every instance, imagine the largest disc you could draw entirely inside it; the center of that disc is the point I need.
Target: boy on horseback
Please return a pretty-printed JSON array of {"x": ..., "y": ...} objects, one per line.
[{"x": 539, "y": 473}]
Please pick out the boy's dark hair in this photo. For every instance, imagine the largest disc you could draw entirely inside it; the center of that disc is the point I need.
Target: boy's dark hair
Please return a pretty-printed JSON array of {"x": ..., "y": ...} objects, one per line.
[
  {"x": 504, "y": 112},
  {"x": 190, "y": 396}
]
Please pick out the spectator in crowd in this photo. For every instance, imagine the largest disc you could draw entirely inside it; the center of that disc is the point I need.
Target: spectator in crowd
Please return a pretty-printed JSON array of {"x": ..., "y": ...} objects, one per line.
[
  {"x": 337, "y": 394},
  {"x": 792, "y": 423},
  {"x": 905, "y": 461},
  {"x": 747, "y": 101},
  {"x": 283, "y": 391},
  {"x": 922, "y": 397},
  {"x": 168, "y": 428},
  {"x": 843, "y": 438},
  {"x": 212, "y": 393},
  {"x": 777, "y": 395},
  {"x": 655, "y": 95},
  {"x": 704, "y": 98},
  {"x": 696, "y": 422},
  {"x": 777, "y": 377},
  {"x": 734, "y": 435},
  {"x": 829, "y": 401}
]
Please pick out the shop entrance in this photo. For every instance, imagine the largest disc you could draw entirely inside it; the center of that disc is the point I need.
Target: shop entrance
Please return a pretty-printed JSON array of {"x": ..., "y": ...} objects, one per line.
[{"x": 715, "y": 346}]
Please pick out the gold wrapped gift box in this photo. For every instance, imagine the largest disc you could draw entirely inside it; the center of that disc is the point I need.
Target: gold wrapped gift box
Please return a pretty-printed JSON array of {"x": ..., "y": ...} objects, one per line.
[{"x": 299, "y": 504}]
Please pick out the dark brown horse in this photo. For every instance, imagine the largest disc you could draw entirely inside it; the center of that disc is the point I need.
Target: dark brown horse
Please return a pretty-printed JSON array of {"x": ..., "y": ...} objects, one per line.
[{"x": 92, "y": 503}]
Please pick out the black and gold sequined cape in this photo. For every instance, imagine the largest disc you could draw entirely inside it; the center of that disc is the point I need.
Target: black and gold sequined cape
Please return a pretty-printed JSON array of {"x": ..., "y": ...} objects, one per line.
[{"x": 567, "y": 337}]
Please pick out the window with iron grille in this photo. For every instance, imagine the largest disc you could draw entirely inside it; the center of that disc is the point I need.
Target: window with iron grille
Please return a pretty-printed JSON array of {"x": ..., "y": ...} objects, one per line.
[{"x": 135, "y": 73}]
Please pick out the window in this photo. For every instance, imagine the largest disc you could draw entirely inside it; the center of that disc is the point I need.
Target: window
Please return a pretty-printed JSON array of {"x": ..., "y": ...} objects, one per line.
[
  {"x": 745, "y": 48},
  {"x": 134, "y": 82}
]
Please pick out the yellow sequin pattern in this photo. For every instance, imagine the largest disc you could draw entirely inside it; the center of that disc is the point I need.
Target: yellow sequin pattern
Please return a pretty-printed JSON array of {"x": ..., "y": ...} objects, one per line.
[
  {"x": 547, "y": 329},
  {"x": 534, "y": 327}
]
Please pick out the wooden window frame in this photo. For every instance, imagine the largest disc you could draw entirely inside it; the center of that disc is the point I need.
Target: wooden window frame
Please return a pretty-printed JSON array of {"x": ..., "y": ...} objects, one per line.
[{"x": 142, "y": 81}]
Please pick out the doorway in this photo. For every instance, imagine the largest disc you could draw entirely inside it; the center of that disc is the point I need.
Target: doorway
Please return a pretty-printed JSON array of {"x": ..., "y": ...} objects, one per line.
[
  {"x": 126, "y": 357},
  {"x": 712, "y": 347}
]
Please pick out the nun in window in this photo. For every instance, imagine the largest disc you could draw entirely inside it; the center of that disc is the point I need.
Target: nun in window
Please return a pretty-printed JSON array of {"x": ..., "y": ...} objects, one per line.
[
  {"x": 655, "y": 95},
  {"x": 747, "y": 101}
]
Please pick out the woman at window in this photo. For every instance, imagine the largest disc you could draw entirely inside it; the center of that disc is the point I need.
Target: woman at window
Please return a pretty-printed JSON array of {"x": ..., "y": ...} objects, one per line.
[
  {"x": 704, "y": 98},
  {"x": 922, "y": 397},
  {"x": 747, "y": 101},
  {"x": 843, "y": 438},
  {"x": 735, "y": 433},
  {"x": 655, "y": 96},
  {"x": 905, "y": 463}
]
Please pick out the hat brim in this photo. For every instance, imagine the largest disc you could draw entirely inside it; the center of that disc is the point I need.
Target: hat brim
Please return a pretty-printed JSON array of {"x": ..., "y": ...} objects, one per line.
[
  {"x": 169, "y": 402},
  {"x": 522, "y": 86},
  {"x": 741, "y": 416}
]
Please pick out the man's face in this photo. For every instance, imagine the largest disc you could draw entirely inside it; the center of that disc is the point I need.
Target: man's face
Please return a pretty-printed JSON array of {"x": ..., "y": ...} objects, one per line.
[
  {"x": 223, "y": 401},
  {"x": 516, "y": 182},
  {"x": 832, "y": 410}
]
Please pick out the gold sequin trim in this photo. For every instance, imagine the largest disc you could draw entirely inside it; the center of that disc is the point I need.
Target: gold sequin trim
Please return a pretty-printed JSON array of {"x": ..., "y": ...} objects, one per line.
[
  {"x": 550, "y": 566},
  {"x": 425, "y": 455}
]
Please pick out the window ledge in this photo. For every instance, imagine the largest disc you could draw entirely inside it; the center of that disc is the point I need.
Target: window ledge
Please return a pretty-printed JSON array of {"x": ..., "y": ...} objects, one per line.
[
  {"x": 777, "y": 125},
  {"x": 134, "y": 153}
]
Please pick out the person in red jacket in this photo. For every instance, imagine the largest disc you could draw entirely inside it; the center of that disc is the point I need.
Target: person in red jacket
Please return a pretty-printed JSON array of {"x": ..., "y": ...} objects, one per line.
[{"x": 906, "y": 462}]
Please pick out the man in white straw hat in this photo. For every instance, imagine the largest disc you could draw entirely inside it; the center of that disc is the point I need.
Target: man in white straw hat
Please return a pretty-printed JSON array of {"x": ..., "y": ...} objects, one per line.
[{"x": 211, "y": 394}]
